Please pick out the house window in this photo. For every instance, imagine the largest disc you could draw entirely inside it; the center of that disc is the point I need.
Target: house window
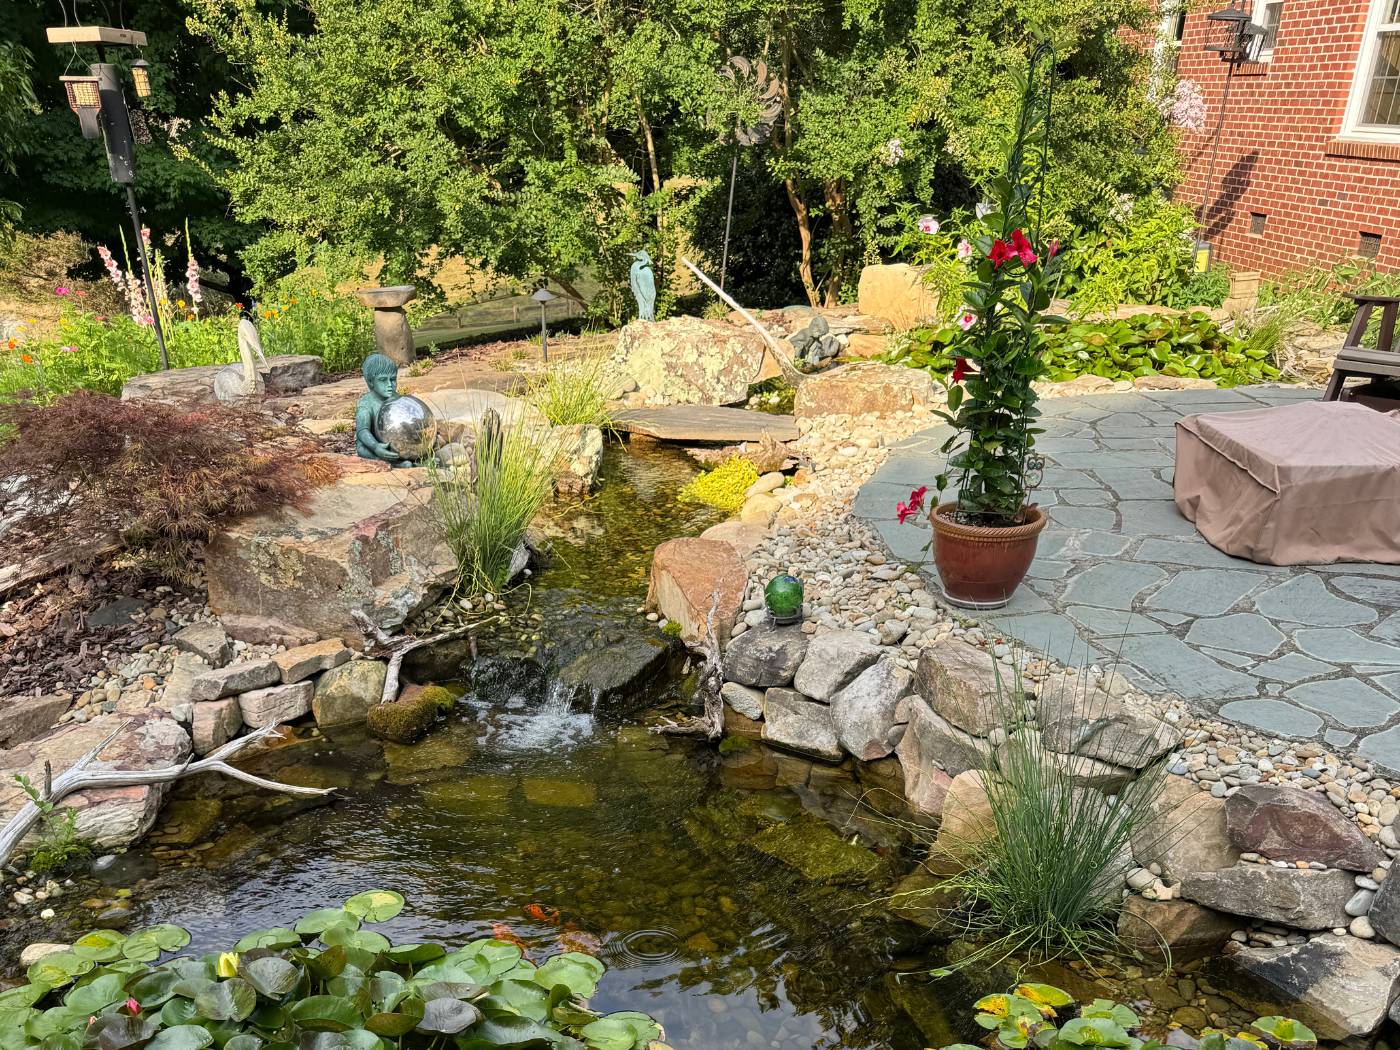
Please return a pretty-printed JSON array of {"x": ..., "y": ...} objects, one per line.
[
  {"x": 1374, "y": 109},
  {"x": 1267, "y": 15}
]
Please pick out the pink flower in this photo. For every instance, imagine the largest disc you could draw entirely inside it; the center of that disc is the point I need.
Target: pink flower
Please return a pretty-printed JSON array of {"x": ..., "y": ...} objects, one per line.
[
  {"x": 964, "y": 250},
  {"x": 1053, "y": 249},
  {"x": 61, "y": 290},
  {"x": 69, "y": 349},
  {"x": 928, "y": 224},
  {"x": 904, "y": 511},
  {"x": 1000, "y": 253},
  {"x": 133, "y": 1007},
  {"x": 966, "y": 320}
]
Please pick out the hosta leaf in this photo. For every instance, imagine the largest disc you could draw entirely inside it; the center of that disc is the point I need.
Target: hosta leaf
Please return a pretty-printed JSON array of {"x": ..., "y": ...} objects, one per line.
[{"x": 375, "y": 905}]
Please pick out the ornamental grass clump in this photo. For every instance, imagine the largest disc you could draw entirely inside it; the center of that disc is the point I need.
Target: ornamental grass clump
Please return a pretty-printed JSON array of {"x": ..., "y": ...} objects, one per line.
[
  {"x": 1075, "y": 778},
  {"x": 485, "y": 506},
  {"x": 573, "y": 391},
  {"x": 724, "y": 487}
]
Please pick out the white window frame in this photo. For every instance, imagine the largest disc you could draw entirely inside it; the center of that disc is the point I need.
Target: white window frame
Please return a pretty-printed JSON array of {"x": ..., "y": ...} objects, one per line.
[
  {"x": 1258, "y": 53},
  {"x": 1352, "y": 127}
]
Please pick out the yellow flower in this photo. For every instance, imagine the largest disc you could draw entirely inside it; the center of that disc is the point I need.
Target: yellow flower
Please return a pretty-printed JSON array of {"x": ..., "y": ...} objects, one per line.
[
  {"x": 228, "y": 964},
  {"x": 180, "y": 303}
]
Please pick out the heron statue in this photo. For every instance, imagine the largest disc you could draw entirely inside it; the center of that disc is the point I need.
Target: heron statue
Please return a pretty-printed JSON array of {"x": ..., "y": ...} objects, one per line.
[{"x": 643, "y": 283}]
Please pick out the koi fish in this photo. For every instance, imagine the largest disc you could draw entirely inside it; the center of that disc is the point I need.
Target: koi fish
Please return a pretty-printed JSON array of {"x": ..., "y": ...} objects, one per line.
[
  {"x": 540, "y": 913},
  {"x": 572, "y": 939},
  {"x": 501, "y": 932}
]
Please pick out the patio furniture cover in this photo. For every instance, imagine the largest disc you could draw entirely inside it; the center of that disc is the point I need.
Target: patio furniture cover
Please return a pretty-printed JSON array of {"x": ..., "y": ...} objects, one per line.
[{"x": 1311, "y": 482}]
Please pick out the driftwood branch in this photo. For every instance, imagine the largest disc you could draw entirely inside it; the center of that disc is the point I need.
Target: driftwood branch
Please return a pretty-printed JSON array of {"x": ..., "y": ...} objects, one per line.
[
  {"x": 81, "y": 777},
  {"x": 710, "y": 724},
  {"x": 791, "y": 373},
  {"x": 397, "y": 648}
]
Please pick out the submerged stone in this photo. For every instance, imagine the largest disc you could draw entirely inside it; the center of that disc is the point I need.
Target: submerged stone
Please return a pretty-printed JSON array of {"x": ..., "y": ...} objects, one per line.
[
  {"x": 449, "y": 749},
  {"x": 812, "y": 848},
  {"x": 186, "y": 821},
  {"x": 472, "y": 795},
  {"x": 621, "y": 675},
  {"x": 547, "y": 791}
]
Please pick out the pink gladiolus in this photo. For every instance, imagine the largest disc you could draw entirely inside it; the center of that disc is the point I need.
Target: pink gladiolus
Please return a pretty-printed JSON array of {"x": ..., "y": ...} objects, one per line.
[{"x": 69, "y": 349}]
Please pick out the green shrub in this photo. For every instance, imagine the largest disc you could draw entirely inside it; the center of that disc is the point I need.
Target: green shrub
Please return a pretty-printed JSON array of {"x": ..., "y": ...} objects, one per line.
[
  {"x": 299, "y": 314},
  {"x": 59, "y": 845},
  {"x": 325, "y": 982},
  {"x": 1048, "y": 882},
  {"x": 573, "y": 391},
  {"x": 1320, "y": 293},
  {"x": 1143, "y": 257},
  {"x": 723, "y": 487},
  {"x": 484, "y": 511},
  {"x": 1209, "y": 288},
  {"x": 1047, "y": 1017},
  {"x": 1188, "y": 346}
]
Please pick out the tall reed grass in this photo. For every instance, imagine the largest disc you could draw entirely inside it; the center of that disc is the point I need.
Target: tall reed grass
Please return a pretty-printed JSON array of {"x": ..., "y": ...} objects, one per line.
[{"x": 573, "y": 390}]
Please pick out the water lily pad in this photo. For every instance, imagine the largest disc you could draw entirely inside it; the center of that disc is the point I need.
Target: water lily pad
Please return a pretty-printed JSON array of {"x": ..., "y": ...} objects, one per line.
[
  {"x": 354, "y": 1039},
  {"x": 182, "y": 1037},
  {"x": 414, "y": 954},
  {"x": 270, "y": 976},
  {"x": 329, "y": 963},
  {"x": 152, "y": 989},
  {"x": 575, "y": 971},
  {"x": 620, "y": 1031},
  {"x": 528, "y": 1000},
  {"x": 119, "y": 1032},
  {"x": 58, "y": 969},
  {"x": 93, "y": 997},
  {"x": 246, "y": 1041},
  {"x": 448, "y": 1016},
  {"x": 397, "y": 1022},
  {"x": 276, "y": 938},
  {"x": 326, "y": 1013},
  {"x": 178, "y": 1011},
  {"x": 146, "y": 945},
  {"x": 99, "y": 945},
  {"x": 61, "y": 1041},
  {"x": 375, "y": 905},
  {"x": 22, "y": 995},
  {"x": 323, "y": 919},
  {"x": 499, "y": 956},
  {"x": 230, "y": 1000},
  {"x": 351, "y": 937}
]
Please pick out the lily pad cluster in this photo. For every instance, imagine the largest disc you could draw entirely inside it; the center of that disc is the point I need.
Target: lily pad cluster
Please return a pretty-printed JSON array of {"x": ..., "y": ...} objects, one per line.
[
  {"x": 1047, "y": 1018},
  {"x": 325, "y": 983}
]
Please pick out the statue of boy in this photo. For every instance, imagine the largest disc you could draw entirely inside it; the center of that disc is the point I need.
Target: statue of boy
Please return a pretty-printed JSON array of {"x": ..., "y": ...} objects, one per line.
[{"x": 382, "y": 378}]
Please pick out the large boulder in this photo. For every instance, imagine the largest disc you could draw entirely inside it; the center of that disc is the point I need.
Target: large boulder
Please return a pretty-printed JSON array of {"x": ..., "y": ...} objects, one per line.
[
  {"x": 621, "y": 674},
  {"x": 696, "y": 583},
  {"x": 690, "y": 361},
  {"x": 213, "y": 723},
  {"x": 792, "y": 721},
  {"x": 864, "y": 712},
  {"x": 218, "y": 682},
  {"x": 1302, "y": 897},
  {"x": 303, "y": 661},
  {"x": 1286, "y": 823},
  {"x": 276, "y": 704},
  {"x": 368, "y": 543},
  {"x": 460, "y": 412},
  {"x": 1385, "y": 910},
  {"x": 1105, "y": 728},
  {"x": 897, "y": 293},
  {"x": 961, "y": 682},
  {"x": 933, "y": 742},
  {"x": 25, "y": 717},
  {"x": 1339, "y": 986},
  {"x": 1187, "y": 931},
  {"x": 765, "y": 656},
  {"x": 865, "y": 387},
  {"x": 1184, "y": 831},
  {"x": 969, "y": 822},
  {"x": 110, "y": 818},
  {"x": 346, "y": 693},
  {"x": 833, "y": 660},
  {"x": 578, "y": 453}
]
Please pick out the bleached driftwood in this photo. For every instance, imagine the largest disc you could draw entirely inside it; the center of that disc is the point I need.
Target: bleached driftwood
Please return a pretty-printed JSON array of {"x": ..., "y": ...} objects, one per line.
[
  {"x": 81, "y": 777},
  {"x": 710, "y": 723},
  {"x": 397, "y": 648},
  {"x": 791, "y": 373}
]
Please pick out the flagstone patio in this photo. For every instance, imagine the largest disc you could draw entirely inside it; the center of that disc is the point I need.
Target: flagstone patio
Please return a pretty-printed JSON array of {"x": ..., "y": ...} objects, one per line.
[{"x": 1122, "y": 578}]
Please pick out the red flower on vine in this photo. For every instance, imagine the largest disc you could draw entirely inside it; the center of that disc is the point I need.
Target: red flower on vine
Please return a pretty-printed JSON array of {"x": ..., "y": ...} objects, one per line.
[
  {"x": 916, "y": 503},
  {"x": 1021, "y": 246},
  {"x": 1000, "y": 253},
  {"x": 1053, "y": 249},
  {"x": 960, "y": 370}
]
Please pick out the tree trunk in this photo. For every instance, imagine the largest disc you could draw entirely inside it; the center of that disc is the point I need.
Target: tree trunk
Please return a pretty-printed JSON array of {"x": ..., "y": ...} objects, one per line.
[
  {"x": 651, "y": 148},
  {"x": 844, "y": 229},
  {"x": 794, "y": 195}
]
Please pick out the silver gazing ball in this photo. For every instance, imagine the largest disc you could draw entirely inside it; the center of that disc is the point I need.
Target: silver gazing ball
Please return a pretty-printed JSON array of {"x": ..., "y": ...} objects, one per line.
[{"x": 408, "y": 426}]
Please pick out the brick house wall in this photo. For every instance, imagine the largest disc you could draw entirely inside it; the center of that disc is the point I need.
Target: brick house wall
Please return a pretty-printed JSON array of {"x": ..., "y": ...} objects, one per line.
[{"x": 1292, "y": 186}]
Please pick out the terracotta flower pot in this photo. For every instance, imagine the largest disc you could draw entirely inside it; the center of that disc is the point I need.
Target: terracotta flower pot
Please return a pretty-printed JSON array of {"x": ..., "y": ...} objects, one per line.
[{"x": 981, "y": 565}]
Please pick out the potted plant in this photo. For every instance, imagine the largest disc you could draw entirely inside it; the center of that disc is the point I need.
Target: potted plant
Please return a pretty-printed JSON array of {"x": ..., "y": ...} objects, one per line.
[{"x": 985, "y": 538}]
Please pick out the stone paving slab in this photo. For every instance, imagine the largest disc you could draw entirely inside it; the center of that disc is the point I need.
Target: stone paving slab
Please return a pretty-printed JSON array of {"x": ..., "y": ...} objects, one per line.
[{"x": 1122, "y": 578}]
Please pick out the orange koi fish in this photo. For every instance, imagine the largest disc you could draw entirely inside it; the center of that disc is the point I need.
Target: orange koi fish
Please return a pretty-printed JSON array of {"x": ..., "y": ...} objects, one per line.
[
  {"x": 501, "y": 932},
  {"x": 540, "y": 913}
]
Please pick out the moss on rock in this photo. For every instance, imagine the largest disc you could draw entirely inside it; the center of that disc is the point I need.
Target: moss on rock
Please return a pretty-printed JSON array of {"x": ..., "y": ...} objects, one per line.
[{"x": 403, "y": 720}]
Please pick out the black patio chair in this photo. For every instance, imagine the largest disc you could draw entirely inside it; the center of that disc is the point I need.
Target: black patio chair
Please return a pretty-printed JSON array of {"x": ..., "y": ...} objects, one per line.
[{"x": 1380, "y": 365}]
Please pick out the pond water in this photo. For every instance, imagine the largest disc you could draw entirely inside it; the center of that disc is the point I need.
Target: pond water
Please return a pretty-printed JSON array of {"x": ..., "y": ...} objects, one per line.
[{"x": 736, "y": 911}]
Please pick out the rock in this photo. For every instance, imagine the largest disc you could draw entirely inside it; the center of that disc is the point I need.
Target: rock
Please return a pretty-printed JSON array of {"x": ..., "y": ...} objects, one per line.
[
  {"x": 696, "y": 583},
  {"x": 1285, "y": 823},
  {"x": 687, "y": 360},
  {"x": 276, "y": 704},
  {"x": 32, "y": 953},
  {"x": 230, "y": 679},
  {"x": 207, "y": 640},
  {"x": 792, "y": 721},
  {"x": 110, "y": 818},
  {"x": 307, "y": 660},
  {"x": 811, "y": 847},
  {"x": 1104, "y": 728},
  {"x": 186, "y": 387},
  {"x": 747, "y": 702},
  {"x": 864, "y": 387},
  {"x": 346, "y": 693},
  {"x": 897, "y": 293},
  {"x": 968, "y": 821},
  {"x": 25, "y": 717},
  {"x": 118, "y": 612},
  {"x": 618, "y": 676},
  {"x": 1339, "y": 986},
  {"x": 765, "y": 656},
  {"x": 572, "y": 794},
  {"x": 833, "y": 660},
  {"x": 214, "y": 724},
  {"x": 864, "y": 711},
  {"x": 1173, "y": 383},
  {"x": 264, "y": 630},
  {"x": 1301, "y": 897},
  {"x": 1187, "y": 931},
  {"x": 1184, "y": 831},
  {"x": 931, "y": 741},
  {"x": 960, "y": 682},
  {"x": 405, "y": 719},
  {"x": 920, "y": 898},
  {"x": 372, "y": 548},
  {"x": 866, "y": 344},
  {"x": 759, "y": 510},
  {"x": 460, "y": 411},
  {"x": 1385, "y": 910},
  {"x": 744, "y": 537},
  {"x": 577, "y": 459}
]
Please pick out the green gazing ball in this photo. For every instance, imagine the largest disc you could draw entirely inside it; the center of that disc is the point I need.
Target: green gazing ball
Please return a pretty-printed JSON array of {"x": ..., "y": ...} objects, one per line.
[{"x": 783, "y": 596}]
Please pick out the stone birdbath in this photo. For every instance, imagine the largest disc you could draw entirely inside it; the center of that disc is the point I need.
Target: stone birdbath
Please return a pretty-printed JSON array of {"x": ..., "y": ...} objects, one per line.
[{"x": 392, "y": 335}]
